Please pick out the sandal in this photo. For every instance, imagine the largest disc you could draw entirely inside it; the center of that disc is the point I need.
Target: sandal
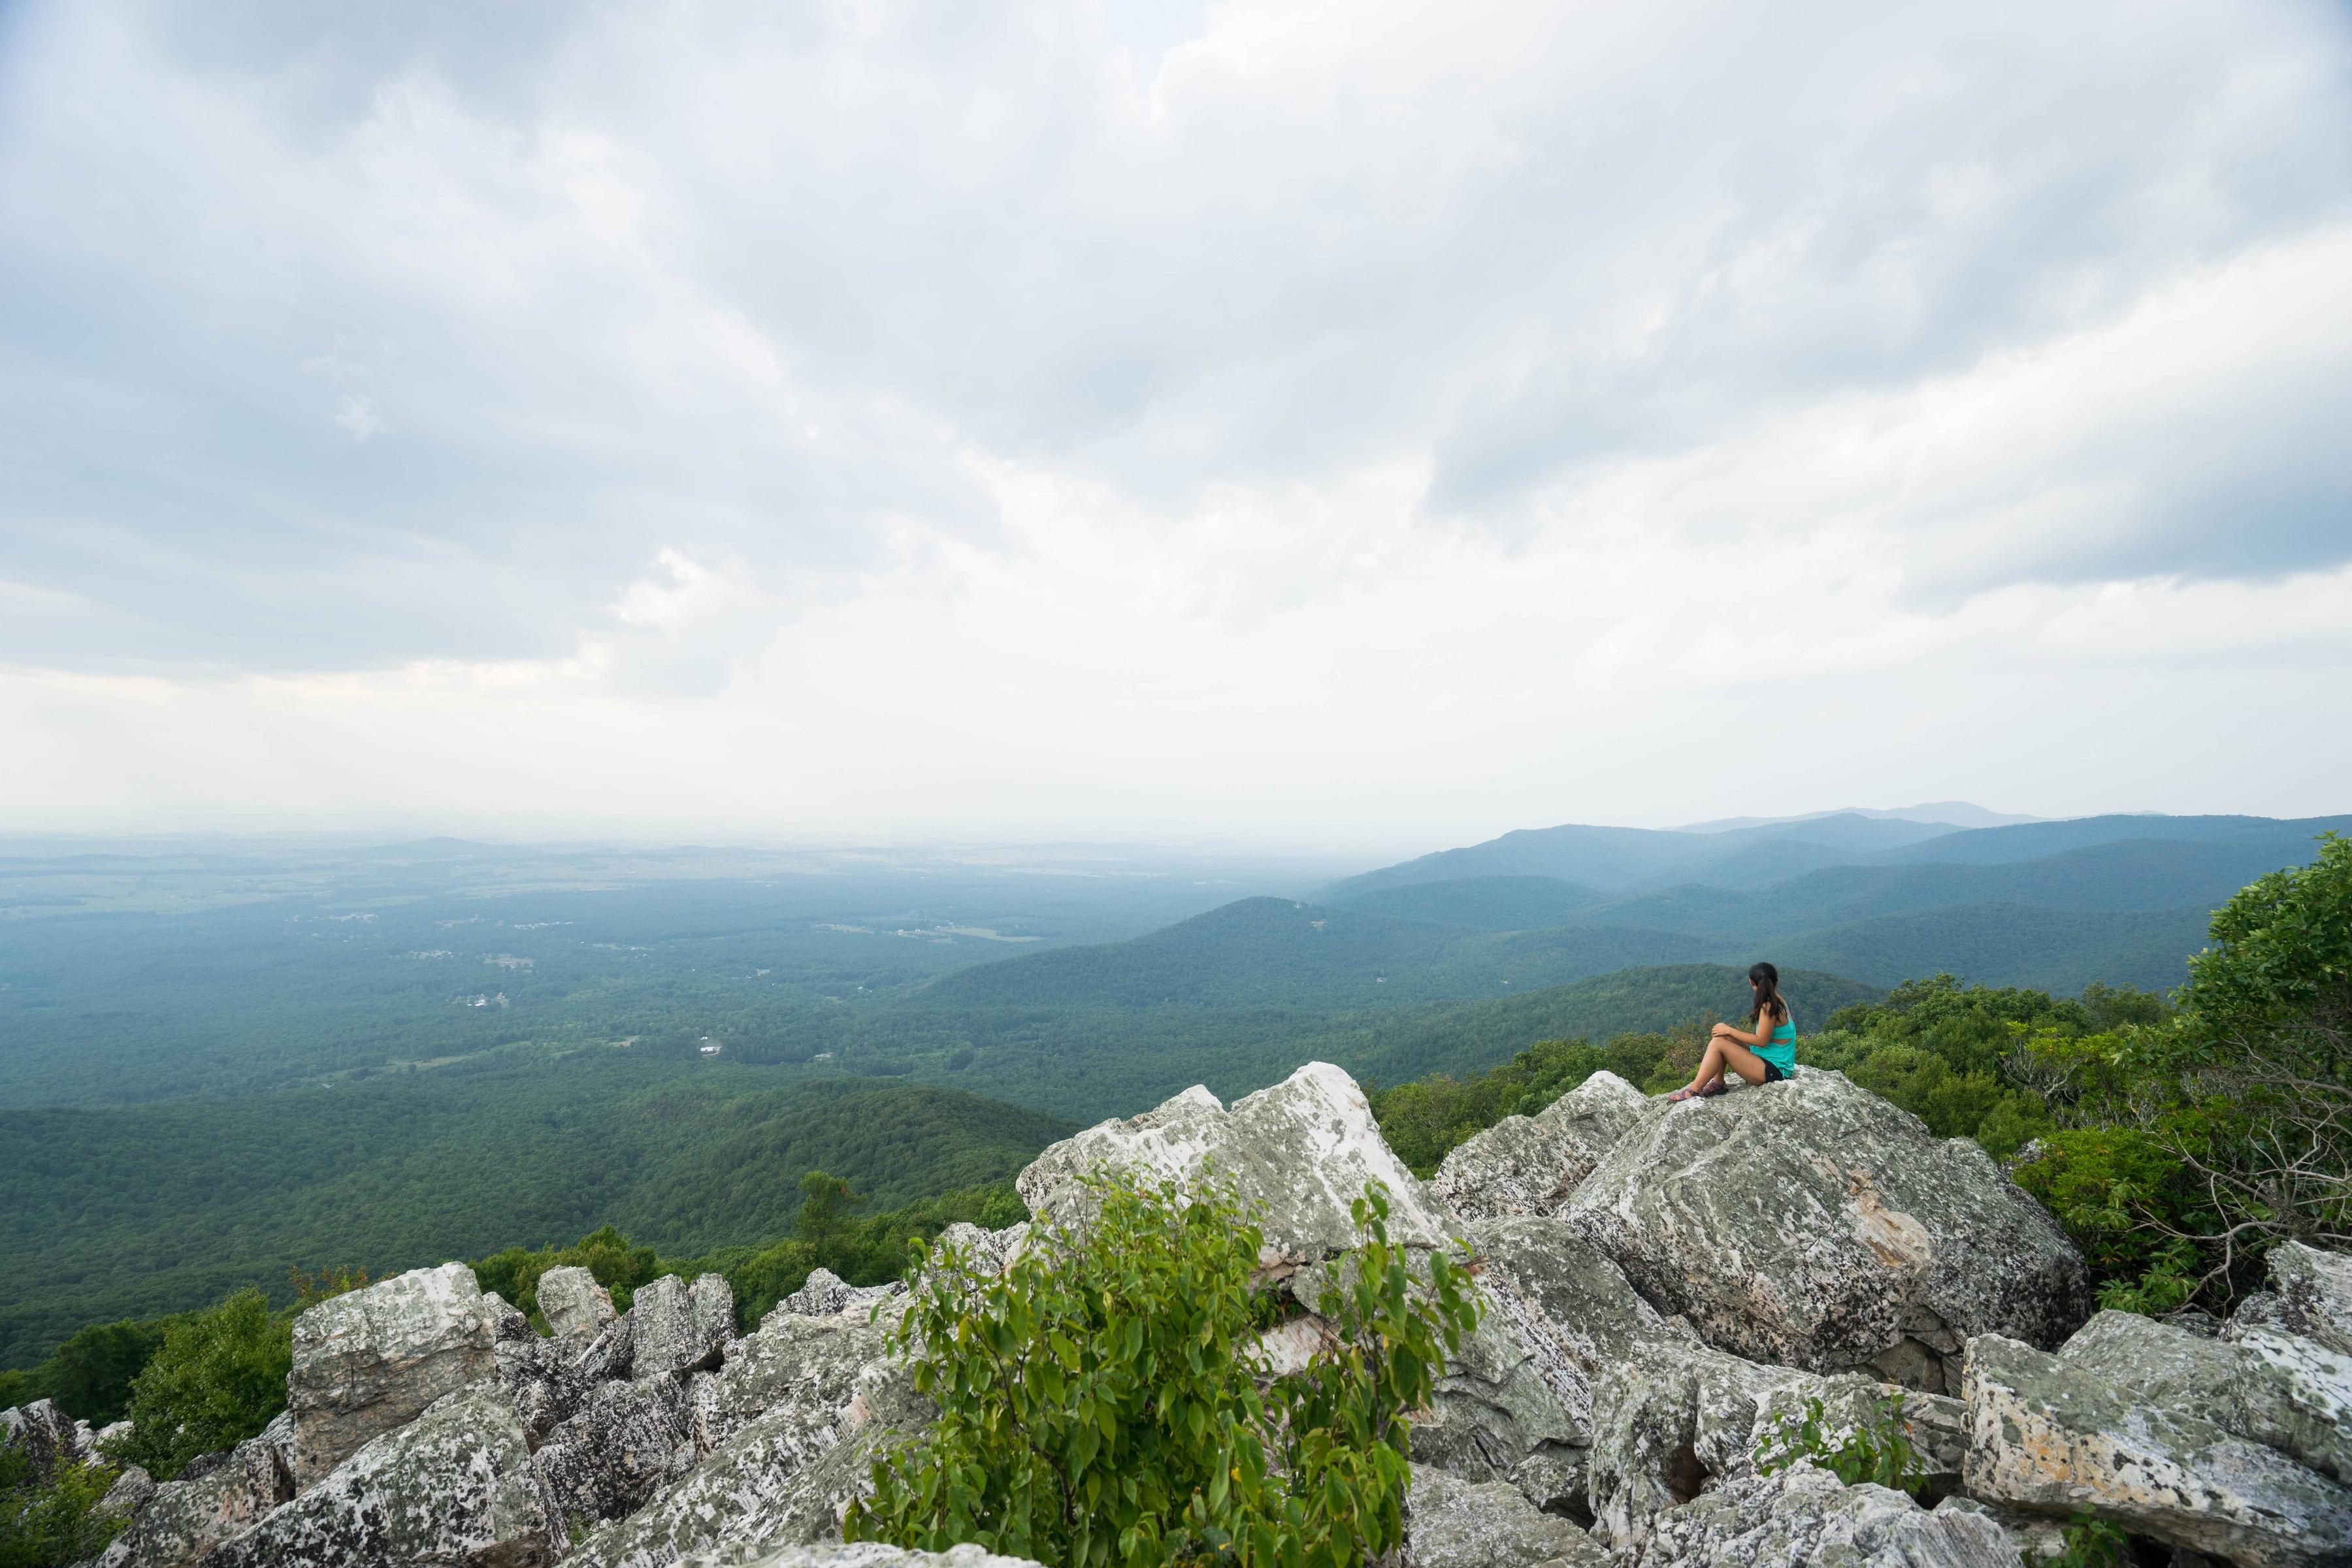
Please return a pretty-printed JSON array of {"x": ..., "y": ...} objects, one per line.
[
  {"x": 1682, "y": 1094},
  {"x": 1720, "y": 1086}
]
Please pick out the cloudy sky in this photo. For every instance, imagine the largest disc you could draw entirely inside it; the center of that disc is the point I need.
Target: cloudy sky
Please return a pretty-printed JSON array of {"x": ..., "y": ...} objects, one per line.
[{"x": 1350, "y": 425}]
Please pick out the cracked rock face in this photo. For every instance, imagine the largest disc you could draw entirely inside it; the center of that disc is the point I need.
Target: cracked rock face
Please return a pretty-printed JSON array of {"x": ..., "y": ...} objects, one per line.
[
  {"x": 572, "y": 1302},
  {"x": 2314, "y": 1291},
  {"x": 606, "y": 1460},
  {"x": 1805, "y": 1516},
  {"x": 1299, "y": 1153},
  {"x": 1454, "y": 1523},
  {"x": 370, "y": 1362},
  {"x": 1531, "y": 1164},
  {"x": 2050, "y": 1436},
  {"x": 794, "y": 1419},
  {"x": 676, "y": 1327},
  {"x": 454, "y": 1485},
  {"x": 1812, "y": 1224},
  {"x": 43, "y": 1434},
  {"x": 2279, "y": 1390}
]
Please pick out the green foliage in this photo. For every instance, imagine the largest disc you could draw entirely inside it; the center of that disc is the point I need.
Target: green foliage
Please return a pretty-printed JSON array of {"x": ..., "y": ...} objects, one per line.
[
  {"x": 218, "y": 1379},
  {"x": 51, "y": 1522},
  {"x": 1878, "y": 1451},
  {"x": 89, "y": 1375},
  {"x": 2281, "y": 959},
  {"x": 1425, "y": 1120},
  {"x": 826, "y": 1203},
  {"x": 1102, "y": 1403},
  {"x": 2090, "y": 1542}
]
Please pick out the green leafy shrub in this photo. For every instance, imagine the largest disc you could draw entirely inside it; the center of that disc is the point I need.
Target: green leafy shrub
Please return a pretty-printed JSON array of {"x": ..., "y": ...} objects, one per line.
[
  {"x": 218, "y": 1378},
  {"x": 53, "y": 1523},
  {"x": 2090, "y": 1542},
  {"x": 1426, "y": 1119},
  {"x": 1879, "y": 1450},
  {"x": 1102, "y": 1402}
]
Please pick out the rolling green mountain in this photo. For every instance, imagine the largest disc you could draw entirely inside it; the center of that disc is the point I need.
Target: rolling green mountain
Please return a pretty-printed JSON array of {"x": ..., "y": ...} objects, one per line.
[
  {"x": 137, "y": 1210},
  {"x": 2060, "y": 951},
  {"x": 2289, "y": 837},
  {"x": 1483, "y": 903}
]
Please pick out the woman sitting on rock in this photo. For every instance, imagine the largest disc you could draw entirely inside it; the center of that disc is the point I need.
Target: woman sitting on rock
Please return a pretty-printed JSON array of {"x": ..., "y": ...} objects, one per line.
[{"x": 1767, "y": 1055}]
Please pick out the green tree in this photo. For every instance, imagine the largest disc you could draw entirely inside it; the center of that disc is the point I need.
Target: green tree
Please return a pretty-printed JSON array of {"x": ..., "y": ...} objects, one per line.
[
  {"x": 49, "y": 1522},
  {"x": 1103, "y": 1401},
  {"x": 826, "y": 1204},
  {"x": 218, "y": 1378},
  {"x": 91, "y": 1374}
]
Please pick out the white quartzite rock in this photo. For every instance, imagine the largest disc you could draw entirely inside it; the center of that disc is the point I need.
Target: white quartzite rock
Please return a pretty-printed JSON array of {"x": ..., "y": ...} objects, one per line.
[
  {"x": 43, "y": 1434},
  {"x": 1454, "y": 1523},
  {"x": 453, "y": 1487},
  {"x": 572, "y": 1302},
  {"x": 1813, "y": 1224},
  {"x": 369, "y": 1361},
  {"x": 2310, "y": 1295},
  {"x": 1531, "y": 1164},
  {"x": 2051, "y": 1437},
  {"x": 678, "y": 1327},
  {"x": 1299, "y": 1153},
  {"x": 2282, "y": 1390},
  {"x": 607, "y": 1459}
]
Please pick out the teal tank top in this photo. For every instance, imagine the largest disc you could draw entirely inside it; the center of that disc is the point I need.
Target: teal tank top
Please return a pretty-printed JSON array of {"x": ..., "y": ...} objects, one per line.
[{"x": 1781, "y": 1047}]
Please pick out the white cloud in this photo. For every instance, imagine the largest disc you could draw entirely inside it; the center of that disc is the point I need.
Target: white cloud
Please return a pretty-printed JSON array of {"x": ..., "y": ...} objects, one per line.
[{"x": 1361, "y": 420}]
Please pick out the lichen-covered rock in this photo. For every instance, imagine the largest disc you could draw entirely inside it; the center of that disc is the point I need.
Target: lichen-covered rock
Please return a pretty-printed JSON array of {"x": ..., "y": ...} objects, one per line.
[
  {"x": 2313, "y": 1292},
  {"x": 572, "y": 1302},
  {"x": 1664, "y": 1429},
  {"x": 132, "y": 1490},
  {"x": 1812, "y": 1224},
  {"x": 2280, "y": 1390},
  {"x": 807, "y": 1363},
  {"x": 1802, "y": 1516},
  {"x": 43, "y": 1434},
  {"x": 452, "y": 1486},
  {"x": 987, "y": 1251},
  {"x": 1935, "y": 1425},
  {"x": 181, "y": 1520},
  {"x": 550, "y": 1380},
  {"x": 847, "y": 1554},
  {"x": 369, "y": 1361},
  {"x": 784, "y": 1479},
  {"x": 1298, "y": 1153},
  {"x": 1496, "y": 1417},
  {"x": 608, "y": 1458},
  {"x": 676, "y": 1327},
  {"x": 1454, "y": 1523},
  {"x": 2049, "y": 1436},
  {"x": 1531, "y": 1164}
]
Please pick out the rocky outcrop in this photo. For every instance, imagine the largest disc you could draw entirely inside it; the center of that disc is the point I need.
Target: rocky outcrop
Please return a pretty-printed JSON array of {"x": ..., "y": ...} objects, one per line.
[
  {"x": 1454, "y": 1523},
  {"x": 574, "y": 1304},
  {"x": 2310, "y": 1295},
  {"x": 608, "y": 1458},
  {"x": 368, "y": 1363},
  {"x": 45, "y": 1434},
  {"x": 788, "y": 1425},
  {"x": 1805, "y": 1516},
  {"x": 2051, "y": 1437},
  {"x": 1531, "y": 1164},
  {"x": 1812, "y": 1224},
  {"x": 179, "y": 1520},
  {"x": 453, "y": 1486},
  {"x": 676, "y": 1327},
  {"x": 1299, "y": 1154}
]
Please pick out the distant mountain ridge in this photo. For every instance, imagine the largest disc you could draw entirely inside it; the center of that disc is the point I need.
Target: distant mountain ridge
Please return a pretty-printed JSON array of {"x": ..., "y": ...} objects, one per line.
[{"x": 1950, "y": 813}]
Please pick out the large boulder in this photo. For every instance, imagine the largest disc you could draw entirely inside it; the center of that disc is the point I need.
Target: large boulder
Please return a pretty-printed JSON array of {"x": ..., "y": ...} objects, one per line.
[
  {"x": 1812, "y": 1224},
  {"x": 572, "y": 1302},
  {"x": 452, "y": 1486},
  {"x": 676, "y": 1327},
  {"x": 2279, "y": 1390},
  {"x": 1298, "y": 1153},
  {"x": 372, "y": 1360},
  {"x": 1454, "y": 1523},
  {"x": 1803, "y": 1516},
  {"x": 2051, "y": 1437},
  {"x": 1531, "y": 1164},
  {"x": 179, "y": 1520},
  {"x": 607, "y": 1459},
  {"x": 2310, "y": 1295},
  {"x": 785, "y": 1474}
]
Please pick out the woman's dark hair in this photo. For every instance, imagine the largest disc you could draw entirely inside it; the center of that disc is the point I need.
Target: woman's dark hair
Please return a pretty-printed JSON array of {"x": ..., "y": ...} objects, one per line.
[{"x": 1769, "y": 1008}]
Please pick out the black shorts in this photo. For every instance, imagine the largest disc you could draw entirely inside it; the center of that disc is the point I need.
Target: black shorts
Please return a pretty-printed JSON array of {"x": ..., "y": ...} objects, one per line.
[{"x": 1773, "y": 1073}]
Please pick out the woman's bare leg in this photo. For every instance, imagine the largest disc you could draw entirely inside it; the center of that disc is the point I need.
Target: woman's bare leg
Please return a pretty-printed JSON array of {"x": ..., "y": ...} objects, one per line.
[{"x": 1722, "y": 1053}]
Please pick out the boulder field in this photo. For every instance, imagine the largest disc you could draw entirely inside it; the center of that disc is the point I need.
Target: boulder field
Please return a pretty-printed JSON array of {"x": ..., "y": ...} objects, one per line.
[{"x": 1665, "y": 1286}]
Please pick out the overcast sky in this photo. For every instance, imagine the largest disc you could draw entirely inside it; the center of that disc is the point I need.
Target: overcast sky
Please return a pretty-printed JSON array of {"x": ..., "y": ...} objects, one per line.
[{"x": 1348, "y": 425}]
